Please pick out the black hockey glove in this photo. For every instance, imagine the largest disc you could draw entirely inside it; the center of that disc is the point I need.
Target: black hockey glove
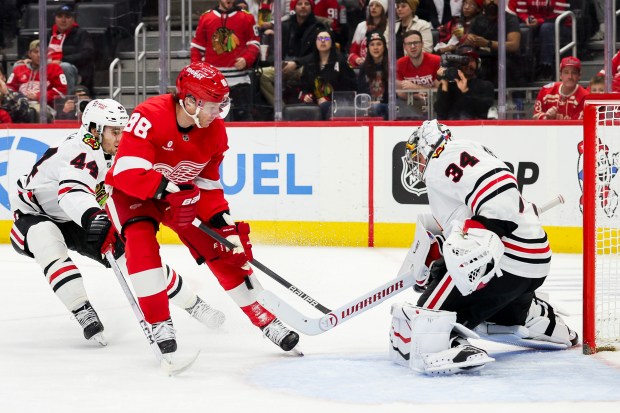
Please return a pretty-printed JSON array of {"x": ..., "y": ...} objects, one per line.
[{"x": 100, "y": 234}]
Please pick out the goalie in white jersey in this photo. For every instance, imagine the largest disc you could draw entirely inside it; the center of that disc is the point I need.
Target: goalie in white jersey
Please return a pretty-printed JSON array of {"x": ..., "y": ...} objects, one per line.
[
  {"x": 58, "y": 206},
  {"x": 495, "y": 256}
]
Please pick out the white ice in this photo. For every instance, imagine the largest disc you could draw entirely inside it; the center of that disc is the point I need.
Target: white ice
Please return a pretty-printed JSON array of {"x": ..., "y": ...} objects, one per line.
[{"x": 47, "y": 366}]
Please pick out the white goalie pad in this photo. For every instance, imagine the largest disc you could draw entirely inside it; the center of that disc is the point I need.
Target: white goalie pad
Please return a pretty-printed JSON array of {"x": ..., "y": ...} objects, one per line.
[
  {"x": 472, "y": 258},
  {"x": 515, "y": 336},
  {"x": 413, "y": 263},
  {"x": 420, "y": 340}
]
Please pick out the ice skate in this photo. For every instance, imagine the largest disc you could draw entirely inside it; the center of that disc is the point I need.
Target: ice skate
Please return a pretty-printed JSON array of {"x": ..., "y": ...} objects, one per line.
[
  {"x": 164, "y": 336},
  {"x": 89, "y": 320},
  {"x": 206, "y": 314},
  {"x": 282, "y": 336},
  {"x": 462, "y": 357}
]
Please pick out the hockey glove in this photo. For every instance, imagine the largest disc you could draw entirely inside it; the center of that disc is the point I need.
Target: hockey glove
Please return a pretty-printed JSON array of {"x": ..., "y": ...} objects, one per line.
[
  {"x": 100, "y": 233},
  {"x": 434, "y": 255},
  {"x": 184, "y": 204},
  {"x": 237, "y": 234}
]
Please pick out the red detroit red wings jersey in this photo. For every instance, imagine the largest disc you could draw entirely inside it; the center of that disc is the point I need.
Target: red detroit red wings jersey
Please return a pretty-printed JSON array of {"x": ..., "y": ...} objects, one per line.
[
  {"x": 569, "y": 106},
  {"x": 24, "y": 79},
  {"x": 152, "y": 146}
]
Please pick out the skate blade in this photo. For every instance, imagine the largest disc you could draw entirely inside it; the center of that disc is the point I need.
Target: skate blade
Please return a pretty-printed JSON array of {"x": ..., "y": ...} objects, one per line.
[
  {"x": 469, "y": 366},
  {"x": 296, "y": 351},
  {"x": 100, "y": 339},
  {"x": 172, "y": 367}
]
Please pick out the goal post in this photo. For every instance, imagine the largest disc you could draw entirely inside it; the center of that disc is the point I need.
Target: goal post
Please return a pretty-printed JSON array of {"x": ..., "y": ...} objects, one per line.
[{"x": 601, "y": 223}]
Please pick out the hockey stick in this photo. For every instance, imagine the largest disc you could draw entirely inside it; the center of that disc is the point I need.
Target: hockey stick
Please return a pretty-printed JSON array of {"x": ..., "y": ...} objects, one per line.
[
  {"x": 167, "y": 365},
  {"x": 406, "y": 279},
  {"x": 216, "y": 236}
]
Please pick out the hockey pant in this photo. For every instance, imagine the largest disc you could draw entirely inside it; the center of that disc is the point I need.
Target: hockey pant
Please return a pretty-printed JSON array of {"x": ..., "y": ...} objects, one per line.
[
  {"x": 139, "y": 220},
  {"x": 504, "y": 300},
  {"x": 48, "y": 243}
]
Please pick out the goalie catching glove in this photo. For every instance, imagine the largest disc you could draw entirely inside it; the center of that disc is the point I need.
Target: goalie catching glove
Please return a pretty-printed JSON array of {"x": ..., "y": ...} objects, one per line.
[{"x": 472, "y": 254}]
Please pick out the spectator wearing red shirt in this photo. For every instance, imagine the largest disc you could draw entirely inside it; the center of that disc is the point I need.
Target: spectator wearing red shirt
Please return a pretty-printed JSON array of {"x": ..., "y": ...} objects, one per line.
[
  {"x": 25, "y": 77},
  {"x": 416, "y": 72},
  {"x": 564, "y": 99}
]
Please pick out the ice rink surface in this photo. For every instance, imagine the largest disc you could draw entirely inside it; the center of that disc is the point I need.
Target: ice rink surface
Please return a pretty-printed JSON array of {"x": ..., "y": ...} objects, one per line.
[{"x": 47, "y": 366}]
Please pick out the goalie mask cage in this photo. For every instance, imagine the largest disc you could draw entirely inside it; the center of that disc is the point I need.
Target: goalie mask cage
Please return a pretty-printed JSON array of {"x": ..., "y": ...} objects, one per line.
[{"x": 601, "y": 224}]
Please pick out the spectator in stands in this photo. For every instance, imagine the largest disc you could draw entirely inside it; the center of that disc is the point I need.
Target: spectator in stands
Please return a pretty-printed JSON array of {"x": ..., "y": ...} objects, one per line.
[
  {"x": 416, "y": 72},
  {"x": 373, "y": 75},
  {"x": 439, "y": 12},
  {"x": 262, "y": 10},
  {"x": 298, "y": 41},
  {"x": 25, "y": 79},
  {"x": 5, "y": 117},
  {"x": 331, "y": 15},
  {"x": 376, "y": 21},
  {"x": 465, "y": 97},
  {"x": 540, "y": 16},
  {"x": 328, "y": 71},
  {"x": 454, "y": 33},
  {"x": 73, "y": 106},
  {"x": 407, "y": 20},
  {"x": 615, "y": 72},
  {"x": 227, "y": 39},
  {"x": 564, "y": 99},
  {"x": 597, "y": 84},
  {"x": 72, "y": 48},
  {"x": 356, "y": 12},
  {"x": 483, "y": 37}
]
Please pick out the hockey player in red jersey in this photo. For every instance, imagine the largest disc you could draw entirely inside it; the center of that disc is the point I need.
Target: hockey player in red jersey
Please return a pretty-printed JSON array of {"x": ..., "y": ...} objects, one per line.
[
  {"x": 167, "y": 171},
  {"x": 57, "y": 207},
  {"x": 495, "y": 256}
]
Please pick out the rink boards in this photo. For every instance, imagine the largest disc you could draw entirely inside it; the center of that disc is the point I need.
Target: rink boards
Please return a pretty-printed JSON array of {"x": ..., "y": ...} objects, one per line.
[{"x": 343, "y": 183}]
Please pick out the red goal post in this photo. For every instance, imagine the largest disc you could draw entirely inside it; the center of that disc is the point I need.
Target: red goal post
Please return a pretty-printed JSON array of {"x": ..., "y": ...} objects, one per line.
[{"x": 601, "y": 223}]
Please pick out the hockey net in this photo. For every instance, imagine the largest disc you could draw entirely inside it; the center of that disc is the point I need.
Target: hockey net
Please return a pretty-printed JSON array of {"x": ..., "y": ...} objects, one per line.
[{"x": 601, "y": 224}]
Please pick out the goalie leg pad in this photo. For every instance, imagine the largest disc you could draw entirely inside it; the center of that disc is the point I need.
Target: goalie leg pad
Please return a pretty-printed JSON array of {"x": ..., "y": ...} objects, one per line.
[
  {"x": 422, "y": 340},
  {"x": 544, "y": 329},
  {"x": 544, "y": 324}
]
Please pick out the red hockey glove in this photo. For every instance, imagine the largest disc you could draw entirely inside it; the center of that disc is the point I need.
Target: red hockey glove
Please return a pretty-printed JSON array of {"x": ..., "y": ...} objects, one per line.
[
  {"x": 184, "y": 204},
  {"x": 100, "y": 233},
  {"x": 238, "y": 234}
]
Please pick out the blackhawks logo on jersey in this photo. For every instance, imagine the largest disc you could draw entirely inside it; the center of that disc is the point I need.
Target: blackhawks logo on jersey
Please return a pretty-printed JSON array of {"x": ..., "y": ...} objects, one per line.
[
  {"x": 224, "y": 40},
  {"x": 91, "y": 141}
]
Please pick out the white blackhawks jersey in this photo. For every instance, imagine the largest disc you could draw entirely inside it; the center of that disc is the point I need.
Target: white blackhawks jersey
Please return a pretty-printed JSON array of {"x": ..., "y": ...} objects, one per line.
[
  {"x": 63, "y": 183},
  {"x": 463, "y": 178}
]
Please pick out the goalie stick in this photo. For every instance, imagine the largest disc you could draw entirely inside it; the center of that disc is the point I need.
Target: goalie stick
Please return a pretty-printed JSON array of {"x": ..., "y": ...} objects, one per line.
[
  {"x": 172, "y": 369},
  {"x": 216, "y": 236},
  {"x": 406, "y": 278}
]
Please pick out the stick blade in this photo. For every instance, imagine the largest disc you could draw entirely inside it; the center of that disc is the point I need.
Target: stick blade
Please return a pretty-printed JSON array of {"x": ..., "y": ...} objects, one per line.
[
  {"x": 288, "y": 314},
  {"x": 173, "y": 368}
]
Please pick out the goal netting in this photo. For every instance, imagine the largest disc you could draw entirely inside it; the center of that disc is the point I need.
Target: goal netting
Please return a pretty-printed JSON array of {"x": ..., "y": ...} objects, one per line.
[{"x": 601, "y": 224}]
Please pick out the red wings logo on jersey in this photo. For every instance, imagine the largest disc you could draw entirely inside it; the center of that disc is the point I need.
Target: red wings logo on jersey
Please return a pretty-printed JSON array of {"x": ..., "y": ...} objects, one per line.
[
  {"x": 184, "y": 171},
  {"x": 91, "y": 141}
]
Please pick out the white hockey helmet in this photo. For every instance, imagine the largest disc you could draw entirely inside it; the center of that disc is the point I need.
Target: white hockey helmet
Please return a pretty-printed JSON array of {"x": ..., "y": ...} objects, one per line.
[
  {"x": 104, "y": 112},
  {"x": 422, "y": 143}
]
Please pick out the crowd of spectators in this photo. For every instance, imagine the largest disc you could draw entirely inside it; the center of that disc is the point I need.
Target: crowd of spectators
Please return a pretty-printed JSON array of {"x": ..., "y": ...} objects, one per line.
[{"x": 447, "y": 58}]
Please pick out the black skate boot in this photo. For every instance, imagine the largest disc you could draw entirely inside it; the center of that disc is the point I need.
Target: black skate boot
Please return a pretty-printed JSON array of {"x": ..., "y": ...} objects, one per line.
[
  {"x": 89, "y": 320},
  {"x": 164, "y": 336},
  {"x": 280, "y": 335}
]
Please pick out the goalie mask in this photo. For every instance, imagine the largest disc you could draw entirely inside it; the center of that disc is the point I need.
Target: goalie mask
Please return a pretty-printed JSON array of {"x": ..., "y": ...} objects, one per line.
[{"x": 422, "y": 144}]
